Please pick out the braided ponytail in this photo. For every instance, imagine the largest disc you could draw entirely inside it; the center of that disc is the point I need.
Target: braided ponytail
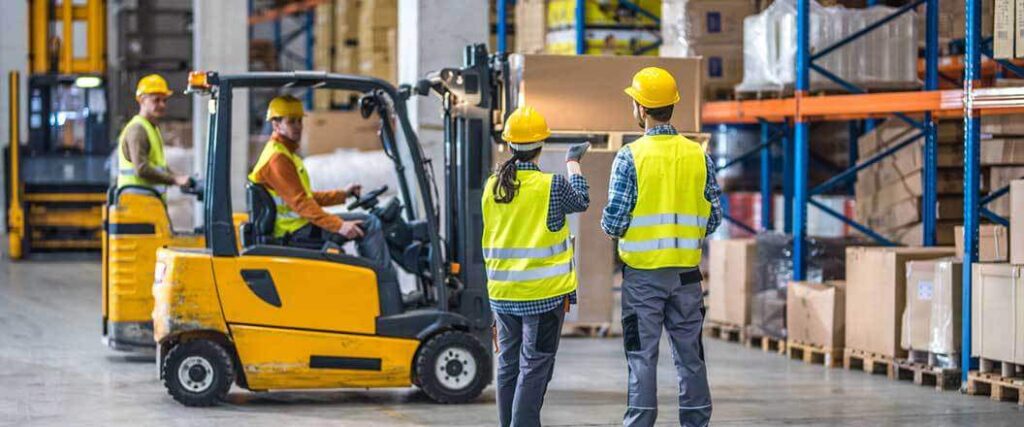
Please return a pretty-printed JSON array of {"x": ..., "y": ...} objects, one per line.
[{"x": 507, "y": 185}]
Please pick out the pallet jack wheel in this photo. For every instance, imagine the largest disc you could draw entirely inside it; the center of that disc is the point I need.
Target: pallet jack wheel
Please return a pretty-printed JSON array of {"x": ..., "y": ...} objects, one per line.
[
  {"x": 198, "y": 373},
  {"x": 452, "y": 367}
]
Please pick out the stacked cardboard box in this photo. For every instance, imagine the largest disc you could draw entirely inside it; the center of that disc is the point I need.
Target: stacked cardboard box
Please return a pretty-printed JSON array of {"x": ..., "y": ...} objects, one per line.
[
  {"x": 815, "y": 313},
  {"x": 611, "y": 28},
  {"x": 931, "y": 320},
  {"x": 876, "y": 280},
  {"x": 731, "y": 274},
  {"x": 712, "y": 29},
  {"x": 378, "y": 31},
  {"x": 531, "y": 26},
  {"x": 951, "y": 21},
  {"x": 888, "y": 193},
  {"x": 997, "y": 295},
  {"x": 993, "y": 243}
]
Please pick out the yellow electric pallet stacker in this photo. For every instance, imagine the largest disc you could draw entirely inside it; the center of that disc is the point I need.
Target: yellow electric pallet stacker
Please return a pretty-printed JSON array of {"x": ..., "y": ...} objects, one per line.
[
  {"x": 58, "y": 179},
  {"x": 268, "y": 317}
]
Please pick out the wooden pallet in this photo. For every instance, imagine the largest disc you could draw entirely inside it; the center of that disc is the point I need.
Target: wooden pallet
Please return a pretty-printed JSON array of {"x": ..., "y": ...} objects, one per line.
[
  {"x": 995, "y": 386},
  {"x": 584, "y": 329},
  {"x": 872, "y": 363},
  {"x": 925, "y": 374},
  {"x": 724, "y": 331},
  {"x": 814, "y": 354},
  {"x": 766, "y": 343}
]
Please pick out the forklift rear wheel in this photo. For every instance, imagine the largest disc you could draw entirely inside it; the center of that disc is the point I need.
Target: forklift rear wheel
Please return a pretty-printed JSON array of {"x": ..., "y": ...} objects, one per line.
[
  {"x": 452, "y": 367},
  {"x": 198, "y": 373}
]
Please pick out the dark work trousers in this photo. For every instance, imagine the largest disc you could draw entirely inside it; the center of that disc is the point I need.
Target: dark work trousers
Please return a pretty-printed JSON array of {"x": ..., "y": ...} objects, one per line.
[
  {"x": 669, "y": 298},
  {"x": 526, "y": 361}
]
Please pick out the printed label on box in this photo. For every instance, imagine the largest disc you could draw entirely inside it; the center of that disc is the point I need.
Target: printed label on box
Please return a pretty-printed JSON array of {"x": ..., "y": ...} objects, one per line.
[
  {"x": 715, "y": 67},
  {"x": 714, "y": 22},
  {"x": 925, "y": 290}
]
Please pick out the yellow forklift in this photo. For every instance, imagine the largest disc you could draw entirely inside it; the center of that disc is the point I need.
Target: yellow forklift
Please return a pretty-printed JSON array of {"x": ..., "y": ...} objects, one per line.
[
  {"x": 57, "y": 181},
  {"x": 266, "y": 316}
]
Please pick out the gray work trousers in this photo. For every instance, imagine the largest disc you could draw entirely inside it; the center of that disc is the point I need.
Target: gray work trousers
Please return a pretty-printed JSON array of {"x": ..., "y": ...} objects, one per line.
[
  {"x": 526, "y": 361},
  {"x": 669, "y": 298}
]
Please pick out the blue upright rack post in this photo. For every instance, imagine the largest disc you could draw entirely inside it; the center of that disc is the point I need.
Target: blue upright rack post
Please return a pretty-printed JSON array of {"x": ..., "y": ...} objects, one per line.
[
  {"x": 931, "y": 82},
  {"x": 581, "y": 27},
  {"x": 972, "y": 169},
  {"x": 502, "y": 13},
  {"x": 766, "y": 177},
  {"x": 801, "y": 136}
]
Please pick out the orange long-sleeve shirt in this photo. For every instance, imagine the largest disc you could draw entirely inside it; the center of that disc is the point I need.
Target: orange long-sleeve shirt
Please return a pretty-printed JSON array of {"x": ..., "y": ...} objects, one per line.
[{"x": 279, "y": 174}]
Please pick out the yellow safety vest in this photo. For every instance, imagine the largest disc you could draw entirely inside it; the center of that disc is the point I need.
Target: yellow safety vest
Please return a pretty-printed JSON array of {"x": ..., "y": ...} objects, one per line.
[
  {"x": 126, "y": 170},
  {"x": 525, "y": 261},
  {"x": 287, "y": 220},
  {"x": 671, "y": 214}
]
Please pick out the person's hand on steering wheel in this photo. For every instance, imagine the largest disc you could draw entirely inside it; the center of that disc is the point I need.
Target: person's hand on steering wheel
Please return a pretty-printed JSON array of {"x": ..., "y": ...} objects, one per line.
[{"x": 354, "y": 190}]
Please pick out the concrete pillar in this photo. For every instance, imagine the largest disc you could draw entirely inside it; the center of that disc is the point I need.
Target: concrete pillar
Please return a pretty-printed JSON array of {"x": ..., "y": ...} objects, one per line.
[
  {"x": 431, "y": 36},
  {"x": 13, "y": 56},
  {"x": 221, "y": 43}
]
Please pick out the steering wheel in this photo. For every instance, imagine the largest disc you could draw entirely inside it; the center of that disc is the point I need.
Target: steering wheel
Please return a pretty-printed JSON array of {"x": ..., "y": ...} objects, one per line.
[{"x": 367, "y": 200}]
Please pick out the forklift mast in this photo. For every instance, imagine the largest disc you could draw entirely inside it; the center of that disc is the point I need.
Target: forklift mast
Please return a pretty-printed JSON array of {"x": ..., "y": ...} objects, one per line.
[{"x": 472, "y": 101}]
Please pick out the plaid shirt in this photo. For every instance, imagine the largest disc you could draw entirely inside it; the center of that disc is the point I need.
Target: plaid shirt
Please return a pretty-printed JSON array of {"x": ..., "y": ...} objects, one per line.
[
  {"x": 622, "y": 190},
  {"x": 567, "y": 197}
]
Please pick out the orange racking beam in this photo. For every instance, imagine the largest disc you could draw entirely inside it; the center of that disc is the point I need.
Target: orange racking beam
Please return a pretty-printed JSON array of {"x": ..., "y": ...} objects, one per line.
[
  {"x": 943, "y": 103},
  {"x": 292, "y": 8}
]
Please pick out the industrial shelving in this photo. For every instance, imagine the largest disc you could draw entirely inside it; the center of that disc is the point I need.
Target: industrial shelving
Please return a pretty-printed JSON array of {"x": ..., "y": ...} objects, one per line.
[
  {"x": 303, "y": 13},
  {"x": 502, "y": 8}
]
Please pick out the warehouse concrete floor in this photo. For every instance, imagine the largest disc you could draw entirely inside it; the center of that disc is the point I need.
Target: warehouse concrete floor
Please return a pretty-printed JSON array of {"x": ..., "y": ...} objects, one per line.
[{"x": 54, "y": 371}]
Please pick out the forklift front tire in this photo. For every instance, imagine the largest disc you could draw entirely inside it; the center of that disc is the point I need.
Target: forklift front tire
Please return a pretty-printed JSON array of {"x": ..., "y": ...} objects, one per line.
[
  {"x": 452, "y": 367},
  {"x": 198, "y": 373}
]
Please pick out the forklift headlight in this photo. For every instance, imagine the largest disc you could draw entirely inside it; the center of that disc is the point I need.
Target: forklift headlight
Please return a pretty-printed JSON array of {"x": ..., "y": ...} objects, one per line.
[
  {"x": 197, "y": 81},
  {"x": 88, "y": 82}
]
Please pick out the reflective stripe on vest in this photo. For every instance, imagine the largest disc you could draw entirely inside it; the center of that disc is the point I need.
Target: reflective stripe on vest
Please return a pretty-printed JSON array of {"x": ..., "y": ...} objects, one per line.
[
  {"x": 525, "y": 261},
  {"x": 126, "y": 169},
  {"x": 671, "y": 214},
  {"x": 287, "y": 221}
]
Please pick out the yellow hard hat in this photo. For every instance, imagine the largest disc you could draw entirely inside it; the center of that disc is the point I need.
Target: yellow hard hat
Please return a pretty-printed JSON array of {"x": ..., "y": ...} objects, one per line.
[
  {"x": 285, "y": 106},
  {"x": 524, "y": 128},
  {"x": 654, "y": 87},
  {"x": 152, "y": 84}
]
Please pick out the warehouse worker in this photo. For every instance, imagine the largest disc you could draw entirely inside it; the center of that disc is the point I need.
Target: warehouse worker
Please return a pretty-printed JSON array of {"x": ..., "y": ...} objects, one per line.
[
  {"x": 530, "y": 272},
  {"x": 662, "y": 202},
  {"x": 300, "y": 213},
  {"x": 140, "y": 151}
]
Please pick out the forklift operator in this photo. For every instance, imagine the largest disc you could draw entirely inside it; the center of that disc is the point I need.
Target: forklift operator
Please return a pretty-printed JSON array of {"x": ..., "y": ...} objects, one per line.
[
  {"x": 141, "y": 159},
  {"x": 300, "y": 213}
]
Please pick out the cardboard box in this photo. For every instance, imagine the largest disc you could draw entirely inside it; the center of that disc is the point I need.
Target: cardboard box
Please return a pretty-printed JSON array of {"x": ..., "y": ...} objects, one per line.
[
  {"x": 931, "y": 320},
  {"x": 1002, "y": 151},
  {"x": 909, "y": 212},
  {"x": 327, "y": 131},
  {"x": 905, "y": 162},
  {"x": 997, "y": 299},
  {"x": 993, "y": 242},
  {"x": 947, "y": 182},
  {"x": 531, "y": 26},
  {"x": 723, "y": 67},
  {"x": 595, "y": 253},
  {"x": 706, "y": 21},
  {"x": 593, "y": 100},
  {"x": 999, "y": 177},
  {"x": 876, "y": 295},
  {"x": 1017, "y": 222},
  {"x": 913, "y": 235},
  {"x": 815, "y": 313},
  {"x": 732, "y": 265},
  {"x": 1003, "y": 125},
  {"x": 1004, "y": 35},
  {"x": 894, "y": 131},
  {"x": 1018, "y": 26}
]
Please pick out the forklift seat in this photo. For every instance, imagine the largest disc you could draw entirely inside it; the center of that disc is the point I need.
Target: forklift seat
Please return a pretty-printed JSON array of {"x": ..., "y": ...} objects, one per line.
[{"x": 262, "y": 215}]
